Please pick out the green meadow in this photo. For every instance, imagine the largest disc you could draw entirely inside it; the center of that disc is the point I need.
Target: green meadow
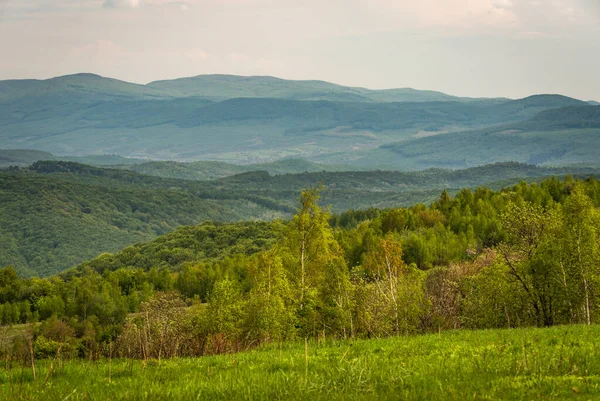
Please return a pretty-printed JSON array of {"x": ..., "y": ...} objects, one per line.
[{"x": 559, "y": 363}]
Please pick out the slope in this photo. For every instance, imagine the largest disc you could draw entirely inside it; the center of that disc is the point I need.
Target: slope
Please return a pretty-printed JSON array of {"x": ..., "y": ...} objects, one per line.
[
  {"x": 57, "y": 214},
  {"x": 48, "y": 223},
  {"x": 22, "y": 157},
  {"x": 561, "y": 136}
]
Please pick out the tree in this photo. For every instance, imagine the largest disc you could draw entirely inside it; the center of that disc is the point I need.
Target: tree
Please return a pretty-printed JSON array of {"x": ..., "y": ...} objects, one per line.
[
  {"x": 270, "y": 307},
  {"x": 161, "y": 330},
  {"x": 316, "y": 266},
  {"x": 225, "y": 314},
  {"x": 487, "y": 297},
  {"x": 580, "y": 254},
  {"x": 188, "y": 282},
  {"x": 399, "y": 286},
  {"x": 9, "y": 284},
  {"x": 527, "y": 227}
]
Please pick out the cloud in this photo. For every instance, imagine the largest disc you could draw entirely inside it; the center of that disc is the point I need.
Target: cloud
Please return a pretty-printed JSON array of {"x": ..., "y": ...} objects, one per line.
[
  {"x": 25, "y": 9},
  {"x": 100, "y": 49},
  {"x": 375, "y": 15},
  {"x": 198, "y": 55},
  {"x": 122, "y": 3},
  {"x": 465, "y": 14},
  {"x": 506, "y": 17},
  {"x": 132, "y": 4}
]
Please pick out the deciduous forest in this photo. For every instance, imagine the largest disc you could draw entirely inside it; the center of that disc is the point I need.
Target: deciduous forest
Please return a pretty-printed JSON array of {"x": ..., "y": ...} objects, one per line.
[{"x": 527, "y": 255}]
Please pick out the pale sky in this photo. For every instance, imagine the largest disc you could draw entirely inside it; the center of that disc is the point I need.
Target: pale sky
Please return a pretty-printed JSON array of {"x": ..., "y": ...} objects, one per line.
[{"x": 511, "y": 48}]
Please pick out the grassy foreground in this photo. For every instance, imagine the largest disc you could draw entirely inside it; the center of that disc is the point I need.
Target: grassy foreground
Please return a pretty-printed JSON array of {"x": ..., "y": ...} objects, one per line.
[{"x": 521, "y": 364}]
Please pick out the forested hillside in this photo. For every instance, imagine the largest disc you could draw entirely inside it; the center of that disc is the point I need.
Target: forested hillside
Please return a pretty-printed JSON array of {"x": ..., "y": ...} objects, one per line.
[
  {"x": 56, "y": 214},
  {"x": 48, "y": 225},
  {"x": 210, "y": 170},
  {"x": 199, "y": 170},
  {"x": 527, "y": 255},
  {"x": 253, "y": 181}
]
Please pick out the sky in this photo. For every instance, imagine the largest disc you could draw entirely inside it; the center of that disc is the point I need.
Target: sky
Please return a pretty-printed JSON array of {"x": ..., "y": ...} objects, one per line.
[{"x": 509, "y": 48}]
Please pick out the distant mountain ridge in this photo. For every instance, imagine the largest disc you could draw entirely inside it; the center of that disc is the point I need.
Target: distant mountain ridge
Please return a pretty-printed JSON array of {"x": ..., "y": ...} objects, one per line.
[
  {"x": 225, "y": 86},
  {"x": 243, "y": 120},
  {"x": 220, "y": 87},
  {"x": 77, "y": 83}
]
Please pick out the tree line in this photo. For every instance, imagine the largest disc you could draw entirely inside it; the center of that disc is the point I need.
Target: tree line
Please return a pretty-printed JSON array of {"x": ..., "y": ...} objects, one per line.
[{"x": 528, "y": 255}]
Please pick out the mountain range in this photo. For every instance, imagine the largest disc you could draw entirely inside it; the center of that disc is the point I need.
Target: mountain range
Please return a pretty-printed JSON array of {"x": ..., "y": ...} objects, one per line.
[{"x": 247, "y": 120}]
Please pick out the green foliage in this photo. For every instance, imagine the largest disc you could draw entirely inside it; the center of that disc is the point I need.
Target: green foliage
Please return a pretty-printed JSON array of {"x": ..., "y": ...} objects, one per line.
[
  {"x": 50, "y": 224},
  {"x": 225, "y": 308},
  {"x": 579, "y": 258},
  {"x": 315, "y": 263},
  {"x": 394, "y": 299},
  {"x": 271, "y": 304},
  {"x": 491, "y": 299},
  {"x": 56, "y": 214},
  {"x": 189, "y": 245}
]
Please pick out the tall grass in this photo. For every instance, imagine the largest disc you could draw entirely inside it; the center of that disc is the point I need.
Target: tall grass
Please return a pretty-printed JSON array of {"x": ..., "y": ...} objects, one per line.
[{"x": 561, "y": 363}]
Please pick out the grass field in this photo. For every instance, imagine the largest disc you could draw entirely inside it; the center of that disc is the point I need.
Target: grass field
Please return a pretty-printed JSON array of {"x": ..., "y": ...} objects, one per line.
[{"x": 561, "y": 363}]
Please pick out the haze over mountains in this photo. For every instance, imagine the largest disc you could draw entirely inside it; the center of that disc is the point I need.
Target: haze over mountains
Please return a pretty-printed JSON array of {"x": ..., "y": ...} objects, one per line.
[{"x": 261, "y": 119}]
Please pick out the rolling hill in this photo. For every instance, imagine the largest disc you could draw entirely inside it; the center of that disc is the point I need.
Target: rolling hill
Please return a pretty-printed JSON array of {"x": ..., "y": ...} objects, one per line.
[
  {"x": 57, "y": 214},
  {"x": 84, "y": 84},
  {"x": 26, "y": 157},
  {"x": 200, "y": 170},
  {"x": 22, "y": 157},
  {"x": 48, "y": 224},
  {"x": 563, "y": 136},
  {"x": 210, "y": 170}
]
